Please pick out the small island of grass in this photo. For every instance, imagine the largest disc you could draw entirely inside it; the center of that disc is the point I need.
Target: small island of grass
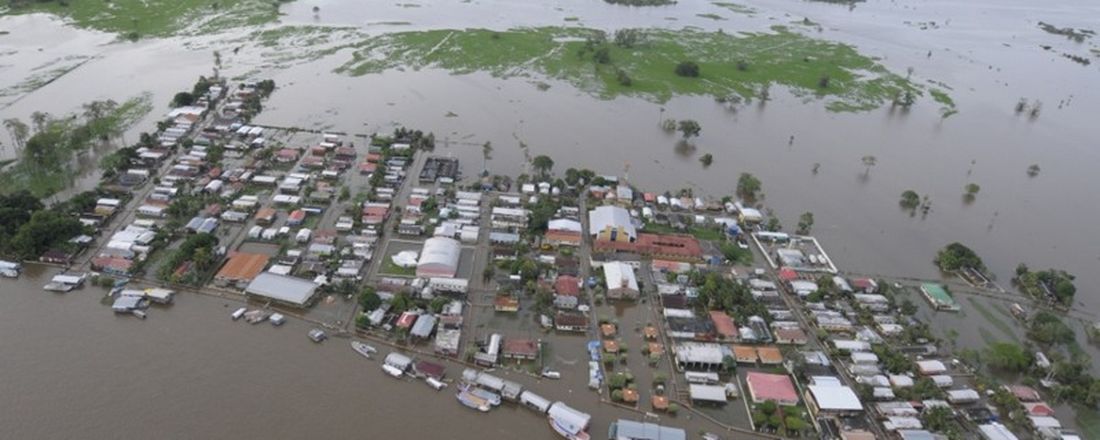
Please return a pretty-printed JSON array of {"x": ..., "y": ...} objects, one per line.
[
  {"x": 136, "y": 19},
  {"x": 729, "y": 65}
]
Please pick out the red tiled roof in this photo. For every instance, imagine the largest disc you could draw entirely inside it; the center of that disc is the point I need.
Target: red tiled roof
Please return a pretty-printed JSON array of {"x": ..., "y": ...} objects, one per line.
[
  {"x": 521, "y": 347},
  {"x": 668, "y": 245},
  {"x": 567, "y": 285},
  {"x": 407, "y": 319},
  {"x": 766, "y": 386},
  {"x": 565, "y": 236},
  {"x": 769, "y": 355},
  {"x": 1039, "y": 409},
  {"x": 243, "y": 267},
  {"x": 1024, "y": 393},
  {"x": 723, "y": 324},
  {"x": 787, "y": 274}
]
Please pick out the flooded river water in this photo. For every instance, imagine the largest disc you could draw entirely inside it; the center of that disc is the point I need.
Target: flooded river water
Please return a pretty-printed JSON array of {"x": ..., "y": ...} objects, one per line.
[
  {"x": 84, "y": 373},
  {"x": 189, "y": 371}
]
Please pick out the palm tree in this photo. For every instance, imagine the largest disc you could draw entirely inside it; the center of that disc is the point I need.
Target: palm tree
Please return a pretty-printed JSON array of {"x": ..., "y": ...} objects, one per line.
[
  {"x": 543, "y": 164},
  {"x": 39, "y": 119},
  {"x": 868, "y": 162},
  {"x": 19, "y": 133},
  {"x": 486, "y": 156}
]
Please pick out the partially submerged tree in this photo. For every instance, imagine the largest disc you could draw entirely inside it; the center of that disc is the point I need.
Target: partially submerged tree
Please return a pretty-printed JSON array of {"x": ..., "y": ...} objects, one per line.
[
  {"x": 748, "y": 187},
  {"x": 805, "y": 223},
  {"x": 689, "y": 128},
  {"x": 909, "y": 200},
  {"x": 956, "y": 256},
  {"x": 1033, "y": 170}
]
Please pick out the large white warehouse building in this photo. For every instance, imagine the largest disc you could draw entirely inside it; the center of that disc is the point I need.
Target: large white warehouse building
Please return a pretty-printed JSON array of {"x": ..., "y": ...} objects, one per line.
[{"x": 439, "y": 258}]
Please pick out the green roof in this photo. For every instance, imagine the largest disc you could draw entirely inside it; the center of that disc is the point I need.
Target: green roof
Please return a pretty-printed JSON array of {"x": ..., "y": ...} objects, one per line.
[{"x": 938, "y": 294}]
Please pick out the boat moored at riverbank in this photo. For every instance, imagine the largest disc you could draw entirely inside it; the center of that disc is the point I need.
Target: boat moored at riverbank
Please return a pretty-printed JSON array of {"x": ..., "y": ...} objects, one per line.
[
  {"x": 470, "y": 400},
  {"x": 363, "y": 349}
]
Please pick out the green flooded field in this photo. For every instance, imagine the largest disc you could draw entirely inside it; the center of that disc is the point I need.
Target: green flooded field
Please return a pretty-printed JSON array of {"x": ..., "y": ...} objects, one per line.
[
  {"x": 743, "y": 65},
  {"x": 135, "y": 19}
]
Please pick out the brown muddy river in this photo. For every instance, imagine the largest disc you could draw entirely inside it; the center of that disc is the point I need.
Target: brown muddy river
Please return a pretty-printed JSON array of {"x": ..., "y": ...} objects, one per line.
[{"x": 76, "y": 371}]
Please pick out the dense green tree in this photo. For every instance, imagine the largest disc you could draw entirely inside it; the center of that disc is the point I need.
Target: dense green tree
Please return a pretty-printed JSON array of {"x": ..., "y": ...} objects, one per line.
[
  {"x": 748, "y": 187},
  {"x": 1007, "y": 356},
  {"x": 689, "y": 128},
  {"x": 183, "y": 99},
  {"x": 543, "y": 164},
  {"x": 909, "y": 199},
  {"x": 688, "y": 69},
  {"x": 369, "y": 299},
  {"x": 1048, "y": 328},
  {"x": 805, "y": 223},
  {"x": 956, "y": 256},
  {"x": 707, "y": 159}
]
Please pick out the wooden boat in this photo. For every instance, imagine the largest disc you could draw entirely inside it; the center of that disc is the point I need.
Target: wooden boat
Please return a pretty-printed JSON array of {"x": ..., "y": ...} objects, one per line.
[
  {"x": 489, "y": 396},
  {"x": 363, "y": 349}
]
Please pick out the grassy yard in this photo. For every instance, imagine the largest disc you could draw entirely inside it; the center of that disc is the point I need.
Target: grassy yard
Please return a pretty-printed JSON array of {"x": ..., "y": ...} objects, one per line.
[
  {"x": 389, "y": 268},
  {"x": 729, "y": 64},
  {"x": 699, "y": 232}
]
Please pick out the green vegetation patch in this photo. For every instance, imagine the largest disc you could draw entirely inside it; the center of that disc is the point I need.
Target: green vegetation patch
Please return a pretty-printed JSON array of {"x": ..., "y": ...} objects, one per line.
[
  {"x": 714, "y": 17},
  {"x": 1078, "y": 35},
  {"x": 48, "y": 144},
  {"x": 728, "y": 64},
  {"x": 391, "y": 268},
  {"x": 141, "y": 18},
  {"x": 736, "y": 7},
  {"x": 992, "y": 318},
  {"x": 642, "y": 2}
]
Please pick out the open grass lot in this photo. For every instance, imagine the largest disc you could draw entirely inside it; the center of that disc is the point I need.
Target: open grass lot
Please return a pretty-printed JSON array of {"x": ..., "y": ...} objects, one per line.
[
  {"x": 157, "y": 18},
  {"x": 730, "y": 65},
  {"x": 389, "y": 268},
  {"x": 699, "y": 232}
]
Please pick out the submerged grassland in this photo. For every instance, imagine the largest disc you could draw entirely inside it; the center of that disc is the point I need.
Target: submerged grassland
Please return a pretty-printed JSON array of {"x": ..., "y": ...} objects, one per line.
[
  {"x": 744, "y": 65},
  {"x": 135, "y": 19}
]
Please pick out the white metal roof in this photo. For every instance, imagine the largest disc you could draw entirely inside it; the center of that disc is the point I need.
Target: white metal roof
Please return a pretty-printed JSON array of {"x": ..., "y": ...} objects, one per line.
[
  {"x": 619, "y": 275},
  {"x": 835, "y": 398},
  {"x": 282, "y": 288},
  {"x": 439, "y": 256},
  {"x": 699, "y": 352},
  {"x": 711, "y": 393},
  {"x": 613, "y": 216},
  {"x": 996, "y": 431}
]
